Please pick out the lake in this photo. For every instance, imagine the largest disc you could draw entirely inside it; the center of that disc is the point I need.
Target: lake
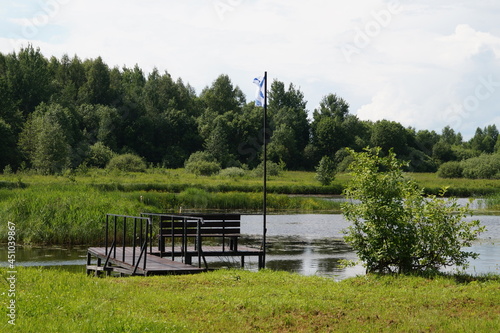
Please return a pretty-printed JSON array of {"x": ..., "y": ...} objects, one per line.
[{"x": 307, "y": 244}]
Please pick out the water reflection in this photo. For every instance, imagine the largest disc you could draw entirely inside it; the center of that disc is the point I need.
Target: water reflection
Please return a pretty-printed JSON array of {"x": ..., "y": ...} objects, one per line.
[
  {"x": 307, "y": 244},
  {"x": 72, "y": 259},
  {"x": 306, "y": 255},
  {"x": 312, "y": 244},
  {"x": 43, "y": 256}
]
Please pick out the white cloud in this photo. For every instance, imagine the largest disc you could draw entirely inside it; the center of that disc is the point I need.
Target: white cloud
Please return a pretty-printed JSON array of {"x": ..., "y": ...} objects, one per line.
[{"x": 433, "y": 78}]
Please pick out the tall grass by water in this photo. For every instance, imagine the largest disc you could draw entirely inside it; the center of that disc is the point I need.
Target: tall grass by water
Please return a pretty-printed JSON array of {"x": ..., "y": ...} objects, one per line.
[
  {"x": 288, "y": 182},
  {"x": 69, "y": 214},
  {"x": 70, "y": 208},
  {"x": 493, "y": 202},
  {"x": 242, "y": 301}
]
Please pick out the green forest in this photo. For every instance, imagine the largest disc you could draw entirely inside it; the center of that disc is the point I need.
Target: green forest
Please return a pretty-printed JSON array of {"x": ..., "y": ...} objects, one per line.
[{"x": 69, "y": 114}]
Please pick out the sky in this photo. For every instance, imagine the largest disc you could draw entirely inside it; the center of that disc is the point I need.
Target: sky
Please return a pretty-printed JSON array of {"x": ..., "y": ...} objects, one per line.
[{"x": 423, "y": 63}]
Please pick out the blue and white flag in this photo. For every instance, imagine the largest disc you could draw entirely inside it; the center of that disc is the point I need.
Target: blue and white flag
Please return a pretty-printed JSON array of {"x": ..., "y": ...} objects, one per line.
[{"x": 260, "y": 94}]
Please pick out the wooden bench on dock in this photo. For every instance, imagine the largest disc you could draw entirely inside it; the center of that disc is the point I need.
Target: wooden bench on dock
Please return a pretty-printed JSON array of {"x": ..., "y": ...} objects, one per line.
[{"x": 188, "y": 235}]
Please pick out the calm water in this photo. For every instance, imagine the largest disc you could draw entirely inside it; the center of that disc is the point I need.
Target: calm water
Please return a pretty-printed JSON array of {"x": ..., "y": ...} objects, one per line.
[
  {"x": 308, "y": 244},
  {"x": 309, "y": 248}
]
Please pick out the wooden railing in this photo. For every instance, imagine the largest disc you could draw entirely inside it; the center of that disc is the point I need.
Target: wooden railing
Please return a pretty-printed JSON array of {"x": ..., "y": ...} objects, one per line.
[{"x": 128, "y": 231}]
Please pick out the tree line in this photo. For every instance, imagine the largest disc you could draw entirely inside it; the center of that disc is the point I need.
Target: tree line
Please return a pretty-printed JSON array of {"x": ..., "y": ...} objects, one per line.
[{"x": 60, "y": 114}]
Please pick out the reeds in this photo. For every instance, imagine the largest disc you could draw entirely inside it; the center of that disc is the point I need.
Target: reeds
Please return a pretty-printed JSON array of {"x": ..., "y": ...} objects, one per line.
[
  {"x": 74, "y": 214},
  {"x": 493, "y": 202}
]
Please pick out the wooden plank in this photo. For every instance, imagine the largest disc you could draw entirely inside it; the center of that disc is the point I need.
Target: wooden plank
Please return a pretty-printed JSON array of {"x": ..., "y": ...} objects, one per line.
[
  {"x": 178, "y": 224},
  {"x": 154, "y": 264},
  {"x": 218, "y": 216},
  {"x": 215, "y": 250},
  {"x": 211, "y": 233}
]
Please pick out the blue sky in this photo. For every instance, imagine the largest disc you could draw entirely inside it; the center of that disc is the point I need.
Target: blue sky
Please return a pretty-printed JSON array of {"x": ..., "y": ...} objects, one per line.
[{"x": 426, "y": 64}]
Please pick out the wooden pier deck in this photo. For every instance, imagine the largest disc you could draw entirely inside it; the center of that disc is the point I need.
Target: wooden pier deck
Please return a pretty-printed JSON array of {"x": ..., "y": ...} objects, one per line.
[
  {"x": 129, "y": 241},
  {"x": 190, "y": 252},
  {"x": 154, "y": 264}
]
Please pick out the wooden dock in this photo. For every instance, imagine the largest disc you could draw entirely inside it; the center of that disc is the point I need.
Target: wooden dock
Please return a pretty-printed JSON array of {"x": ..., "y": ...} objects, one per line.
[
  {"x": 189, "y": 252},
  {"x": 129, "y": 241},
  {"x": 130, "y": 263}
]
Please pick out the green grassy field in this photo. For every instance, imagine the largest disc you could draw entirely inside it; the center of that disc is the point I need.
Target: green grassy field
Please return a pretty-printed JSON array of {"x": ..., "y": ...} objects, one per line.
[
  {"x": 242, "y": 301},
  {"x": 289, "y": 182},
  {"x": 70, "y": 210}
]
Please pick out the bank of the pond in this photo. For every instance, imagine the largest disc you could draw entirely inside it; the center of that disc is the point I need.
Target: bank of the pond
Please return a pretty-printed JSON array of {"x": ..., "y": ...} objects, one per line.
[
  {"x": 241, "y": 301},
  {"x": 288, "y": 182},
  {"x": 70, "y": 209},
  {"x": 74, "y": 214}
]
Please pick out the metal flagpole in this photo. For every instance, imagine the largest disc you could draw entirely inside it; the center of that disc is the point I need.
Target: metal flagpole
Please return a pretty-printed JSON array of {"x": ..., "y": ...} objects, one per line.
[{"x": 265, "y": 174}]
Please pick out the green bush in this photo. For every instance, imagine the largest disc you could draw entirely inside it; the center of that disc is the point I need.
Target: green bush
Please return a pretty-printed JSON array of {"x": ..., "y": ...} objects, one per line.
[
  {"x": 483, "y": 167},
  {"x": 451, "y": 169},
  {"x": 202, "y": 163},
  {"x": 462, "y": 153},
  {"x": 203, "y": 168},
  {"x": 325, "y": 171},
  {"x": 99, "y": 155},
  {"x": 272, "y": 169},
  {"x": 128, "y": 163},
  {"x": 232, "y": 172},
  {"x": 395, "y": 228}
]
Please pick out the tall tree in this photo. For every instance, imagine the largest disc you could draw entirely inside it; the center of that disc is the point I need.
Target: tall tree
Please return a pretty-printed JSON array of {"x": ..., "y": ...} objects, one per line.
[
  {"x": 333, "y": 128},
  {"x": 221, "y": 101},
  {"x": 29, "y": 78},
  {"x": 289, "y": 126},
  {"x": 222, "y": 96},
  {"x": 449, "y": 136},
  {"x": 217, "y": 144},
  {"x": 390, "y": 134},
  {"x": 249, "y": 135},
  {"x": 96, "y": 89},
  {"x": 47, "y": 139},
  {"x": 425, "y": 140},
  {"x": 484, "y": 140},
  {"x": 8, "y": 148}
]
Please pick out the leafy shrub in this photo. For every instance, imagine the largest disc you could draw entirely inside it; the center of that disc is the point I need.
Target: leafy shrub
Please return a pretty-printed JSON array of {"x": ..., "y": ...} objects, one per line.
[
  {"x": 462, "y": 153},
  {"x": 201, "y": 156},
  {"x": 443, "y": 152},
  {"x": 128, "y": 163},
  {"x": 395, "y": 228},
  {"x": 483, "y": 167},
  {"x": 325, "y": 171},
  {"x": 232, "y": 172},
  {"x": 202, "y": 163},
  {"x": 419, "y": 161},
  {"x": 203, "y": 168},
  {"x": 451, "y": 169},
  {"x": 99, "y": 155},
  {"x": 7, "y": 170},
  {"x": 272, "y": 169}
]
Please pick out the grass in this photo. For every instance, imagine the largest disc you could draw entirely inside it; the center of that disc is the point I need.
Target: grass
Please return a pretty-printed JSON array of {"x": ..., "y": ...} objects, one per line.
[
  {"x": 289, "y": 182},
  {"x": 73, "y": 214},
  {"x": 493, "y": 202},
  {"x": 458, "y": 187},
  {"x": 242, "y": 301}
]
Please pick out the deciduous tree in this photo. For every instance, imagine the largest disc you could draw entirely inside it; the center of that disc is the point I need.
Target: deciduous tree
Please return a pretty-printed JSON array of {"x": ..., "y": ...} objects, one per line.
[{"x": 395, "y": 228}]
